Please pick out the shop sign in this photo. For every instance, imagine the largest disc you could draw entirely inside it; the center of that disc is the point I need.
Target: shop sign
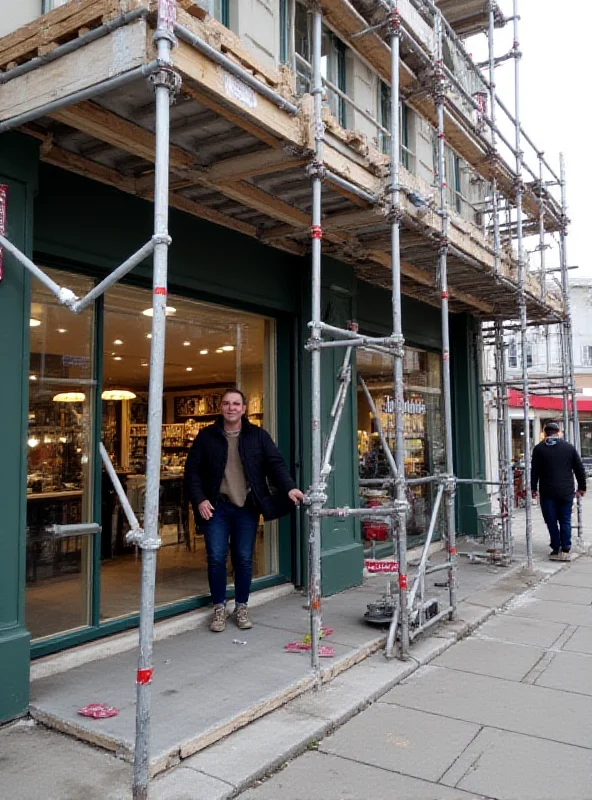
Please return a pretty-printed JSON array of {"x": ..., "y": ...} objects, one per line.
[
  {"x": 381, "y": 566},
  {"x": 409, "y": 407},
  {"x": 239, "y": 91},
  {"x": 3, "y": 196}
]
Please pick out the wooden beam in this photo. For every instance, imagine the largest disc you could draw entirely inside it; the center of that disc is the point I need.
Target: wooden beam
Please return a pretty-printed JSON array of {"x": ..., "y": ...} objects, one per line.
[
  {"x": 118, "y": 132},
  {"x": 211, "y": 215},
  {"x": 263, "y": 162},
  {"x": 273, "y": 207},
  {"x": 247, "y": 104}
]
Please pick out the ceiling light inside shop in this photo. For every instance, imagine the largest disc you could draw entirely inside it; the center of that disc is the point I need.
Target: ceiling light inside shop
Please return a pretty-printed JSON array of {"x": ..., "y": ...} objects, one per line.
[
  {"x": 32, "y": 377},
  {"x": 149, "y": 336},
  {"x": 149, "y": 312},
  {"x": 117, "y": 394},
  {"x": 118, "y": 341},
  {"x": 144, "y": 363},
  {"x": 189, "y": 369},
  {"x": 219, "y": 350},
  {"x": 186, "y": 344},
  {"x": 32, "y": 442},
  {"x": 203, "y": 352},
  {"x": 116, "y": 358},
  {"x": 62, "y": 330},
  {"x": 34, "y": 323},
  {"x": 69, "y": 397},
  {"x": 227, "y": 348}
]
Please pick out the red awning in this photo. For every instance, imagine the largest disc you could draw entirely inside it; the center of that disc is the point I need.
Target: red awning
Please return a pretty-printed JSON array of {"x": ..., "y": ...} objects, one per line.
[{"x": 516, "y": 400}]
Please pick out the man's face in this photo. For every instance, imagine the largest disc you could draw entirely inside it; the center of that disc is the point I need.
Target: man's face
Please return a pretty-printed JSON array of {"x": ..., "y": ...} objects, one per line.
[{"x": 233, "y": 407}]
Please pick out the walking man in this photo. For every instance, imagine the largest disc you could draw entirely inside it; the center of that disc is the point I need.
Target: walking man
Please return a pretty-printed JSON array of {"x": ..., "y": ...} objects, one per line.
[
  {"x": 228, "y": 474},
  {"x": 554, "y": 464}
]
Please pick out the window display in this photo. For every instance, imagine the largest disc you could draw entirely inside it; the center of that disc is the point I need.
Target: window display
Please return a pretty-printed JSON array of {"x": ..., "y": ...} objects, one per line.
[{"x": 422, "y": 430}]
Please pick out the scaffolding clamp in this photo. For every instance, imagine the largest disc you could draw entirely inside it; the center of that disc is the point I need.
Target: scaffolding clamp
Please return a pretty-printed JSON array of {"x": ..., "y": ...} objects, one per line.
[
  {"x": 166, "y": 76},
  {"x": 162, "y": 238},
  {"x": 393, "y": 22},
  {"x": 317, "y": 494},
  {"x": 137, "y": 536},
  {"x": 316, "y": 168},
  {"x": 449, "y": 484}
]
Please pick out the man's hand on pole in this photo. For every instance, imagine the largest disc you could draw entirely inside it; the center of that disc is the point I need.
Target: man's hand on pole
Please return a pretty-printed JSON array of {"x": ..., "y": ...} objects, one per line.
[{"x": 296, "y": 496}]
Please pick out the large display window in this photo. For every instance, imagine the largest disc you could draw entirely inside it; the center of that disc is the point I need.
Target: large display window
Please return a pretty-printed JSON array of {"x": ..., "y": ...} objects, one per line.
[
  {"x": 77, "y": 396},
  {"x": 422, "y": 429}
]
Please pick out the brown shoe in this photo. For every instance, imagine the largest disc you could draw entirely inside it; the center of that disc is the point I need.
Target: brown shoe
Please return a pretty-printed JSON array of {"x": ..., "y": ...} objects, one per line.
[
  {"x": 242, "y": 619},
  {"x": 218, "y": 623}
]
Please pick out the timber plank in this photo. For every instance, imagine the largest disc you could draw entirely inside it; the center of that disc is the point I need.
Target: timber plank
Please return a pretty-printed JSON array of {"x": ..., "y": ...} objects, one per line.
[{"x": 114, "y": 54}]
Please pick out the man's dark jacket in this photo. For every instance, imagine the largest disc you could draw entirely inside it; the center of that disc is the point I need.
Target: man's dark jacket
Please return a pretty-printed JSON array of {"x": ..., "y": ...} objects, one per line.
[
  {"x": 554, "y": 463},
  {"x": 267, "y": 475}
]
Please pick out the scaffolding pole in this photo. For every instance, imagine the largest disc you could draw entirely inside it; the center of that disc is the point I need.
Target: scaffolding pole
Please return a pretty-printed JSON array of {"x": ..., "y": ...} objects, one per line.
[
  {"x": 519, "y": 188},
  {"x": 450, "y": 486},
  {"x": 567, "y": 328}
]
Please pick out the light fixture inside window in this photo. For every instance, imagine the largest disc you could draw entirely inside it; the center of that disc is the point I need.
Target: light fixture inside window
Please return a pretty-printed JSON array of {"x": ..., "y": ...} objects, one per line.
[
  {"x": 117, "y": 394},
  {"x": 189, "y": 369},
  {"x": 227, "y": 348},
  {"x": 69, "y": 397},
  {"x": 149, "y": 312},
  {"x": 33, "y": 441},
  {"x": 219, "y": 350},
  {"x": 149, "y": 336},
  {"x": 32, "y": 377},
  {"x": 62, "y": 330},
  {"x": 118, "y": 341},
  {"x": 116, "y": 358},
  {"x": 34, "y": 323},
  {"x": 186, "y": 344},
  {"x": 203, "y": 352}
]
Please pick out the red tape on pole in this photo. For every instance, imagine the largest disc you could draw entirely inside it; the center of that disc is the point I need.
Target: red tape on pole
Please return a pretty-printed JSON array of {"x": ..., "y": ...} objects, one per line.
[
  {"x": 144, "y": 676},
  {"x": 160, "y": 290}
]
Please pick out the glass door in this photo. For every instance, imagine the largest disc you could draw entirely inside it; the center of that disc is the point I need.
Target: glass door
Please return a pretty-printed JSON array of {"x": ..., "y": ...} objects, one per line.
[{"x": 60, "y": 447}]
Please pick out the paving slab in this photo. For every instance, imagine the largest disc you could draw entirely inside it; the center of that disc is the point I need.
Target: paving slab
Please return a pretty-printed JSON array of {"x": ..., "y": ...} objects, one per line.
[
  {"x": 402, "y": 740},
  {"x": 36, "y": 763},
  {"x": 569, "y": 613},
  {"x": 187, "y": 784},
  {"x": 490, "y": 657},
  {"x": 266, "y": 743},
  {"x": 504, "y": 627},
  {"x": 560, "y": 593},
  {"x": 510, "y": 766},
  {"x": 518, "y": 707},
  {"x": 317, "y": 775},
  {"x": 582, "y": 565},
  {"x": 568, "y": 672},
  {"x": 580, "y": 642},
  {"x": 567, "y": 577}
]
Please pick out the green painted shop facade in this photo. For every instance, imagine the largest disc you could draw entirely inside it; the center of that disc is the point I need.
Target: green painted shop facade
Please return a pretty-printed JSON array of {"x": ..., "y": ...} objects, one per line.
[{"x": 80, "y": 230}]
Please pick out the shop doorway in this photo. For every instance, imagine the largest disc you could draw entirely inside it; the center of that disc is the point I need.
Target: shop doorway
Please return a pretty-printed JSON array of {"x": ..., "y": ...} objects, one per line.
[{"x": 89, "y": 381}]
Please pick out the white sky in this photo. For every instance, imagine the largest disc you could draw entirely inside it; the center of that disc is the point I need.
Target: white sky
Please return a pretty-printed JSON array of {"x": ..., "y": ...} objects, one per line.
[{"x": 555, "y": 40}]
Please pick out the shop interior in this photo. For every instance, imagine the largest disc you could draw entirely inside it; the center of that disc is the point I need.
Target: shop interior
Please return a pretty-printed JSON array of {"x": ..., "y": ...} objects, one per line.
[
  {"x": 208, "y": 348},
  {"x": 422, "y": 431}
]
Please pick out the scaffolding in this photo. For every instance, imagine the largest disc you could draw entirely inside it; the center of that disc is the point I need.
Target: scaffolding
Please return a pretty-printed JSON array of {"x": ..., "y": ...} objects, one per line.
[{"x": 408, "y": 610}]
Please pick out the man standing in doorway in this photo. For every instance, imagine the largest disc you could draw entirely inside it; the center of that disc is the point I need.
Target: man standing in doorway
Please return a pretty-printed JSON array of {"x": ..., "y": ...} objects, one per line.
[
  {"x": 554, "y": 464},
  {"x": 228, "y": 474}
]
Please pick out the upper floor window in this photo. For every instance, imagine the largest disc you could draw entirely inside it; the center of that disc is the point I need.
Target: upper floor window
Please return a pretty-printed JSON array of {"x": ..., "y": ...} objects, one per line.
[
  {"x": 587, "y": 355},
  {"x": 221, "y": 11},
  {"x": 384, "y": 119},
  {"x": 332, "y": 62}
]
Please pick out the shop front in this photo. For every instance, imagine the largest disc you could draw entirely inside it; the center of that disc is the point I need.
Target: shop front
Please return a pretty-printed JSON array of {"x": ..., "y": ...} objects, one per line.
[{"x": 89, "y": 377}]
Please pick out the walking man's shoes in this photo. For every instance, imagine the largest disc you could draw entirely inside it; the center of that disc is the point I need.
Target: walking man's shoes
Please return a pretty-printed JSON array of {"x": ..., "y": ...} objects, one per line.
[
  {"x": 218, "y": 623},
  {"x": 554, "y": 555},
  {"x": 566, "y": 555},
  {"x": 242, "y": 619}
]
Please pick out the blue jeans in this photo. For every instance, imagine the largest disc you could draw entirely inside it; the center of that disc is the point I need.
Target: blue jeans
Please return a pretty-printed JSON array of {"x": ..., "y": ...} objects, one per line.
[
  {"x": 238, "y": 526},
  {"x": 557, "y": 515}
]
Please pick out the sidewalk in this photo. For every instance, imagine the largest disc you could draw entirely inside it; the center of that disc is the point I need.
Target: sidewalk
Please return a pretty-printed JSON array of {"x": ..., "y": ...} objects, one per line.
[{"x": 206, "y": 687}]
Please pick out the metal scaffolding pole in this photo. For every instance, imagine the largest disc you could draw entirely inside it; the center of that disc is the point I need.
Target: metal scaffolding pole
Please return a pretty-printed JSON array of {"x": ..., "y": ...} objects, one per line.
[
  {"x": 317, "y": 494},
  {"x": 522, "y": 287},
  {"x": 568, "y": 337},
  {"x": 400, "y": 518},
  {"x": 492, "y": 114},
  {"x": 450, "y": 486}
]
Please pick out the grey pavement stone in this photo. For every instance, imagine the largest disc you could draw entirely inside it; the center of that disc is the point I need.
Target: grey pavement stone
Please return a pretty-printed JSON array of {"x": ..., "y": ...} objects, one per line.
[
  {"x": 490, "y": 657},
  {"x": 580, "y": 642},
  {"x": 582, "y": 565},
  {"x": 568, "y": 613},
  {"x": 559, "y": 593},
  {"x": 570, "y": 672},
  {"x": 317, "y": 776},
  {"x": 567, "y": 577},
  {"x": 36, "y": 763},
  {"x": 187, "y": 784},
  {"x": 504, "y": 627},
  {"x": 510, "y": 766},
  {"x": 259, "y": 748},
  {"x": 518, "y": 707},
  {"x": 402, "y": 740}
]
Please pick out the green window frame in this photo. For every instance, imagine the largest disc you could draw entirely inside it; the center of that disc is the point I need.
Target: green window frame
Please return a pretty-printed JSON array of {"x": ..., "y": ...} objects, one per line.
[{"x": 222, "y": 11}]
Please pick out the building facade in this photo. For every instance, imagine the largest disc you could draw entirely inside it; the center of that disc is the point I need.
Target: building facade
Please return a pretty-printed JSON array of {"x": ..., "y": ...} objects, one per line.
[{"x": 78, "y": 184}]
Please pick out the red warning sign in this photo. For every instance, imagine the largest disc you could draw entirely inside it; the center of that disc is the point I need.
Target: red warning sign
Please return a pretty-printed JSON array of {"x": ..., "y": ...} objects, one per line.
[{"x": 382, "y": 565}]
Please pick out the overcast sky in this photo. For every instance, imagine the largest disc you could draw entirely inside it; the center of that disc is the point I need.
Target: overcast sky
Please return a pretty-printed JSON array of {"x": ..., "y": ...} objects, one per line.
[{"x": 555, "y": 40}]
